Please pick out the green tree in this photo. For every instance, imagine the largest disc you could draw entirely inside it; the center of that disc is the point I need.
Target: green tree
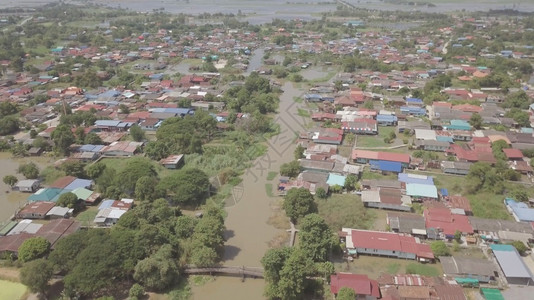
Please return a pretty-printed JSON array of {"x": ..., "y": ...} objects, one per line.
[
  {"x": 476, "y": 121},
  {"x": 145, "y": 188},
  {"x": 74, "y": 168},
  {"x": 439, "y": 248},
  {"x": 273, "y": 261},
  {"x": 95, "y": 170},
  {"x": 124, "y": 109},
  {"x": 137, "y": 133},
  {"x": 135, "y": 168},
  {"x": 93, "y": 139},
  {"x": 9, "y": 125},
  {"x": 350, "y": 182},
  {"x": 315, "y": 237},
  {"x": 299, "y": 203},
  {"x": 458, "y": 236},
  {"x": 33, "y": 248},
  {"x": 63, "y": 138},
  {"x": 29, "y": 170},
  {"x": 186, "y": 186},
  {"x": 136, "y": 291},
  {"x": 293, "y": 275},
  {"x": 520, "y": 247},
  {"x": 36, "y": 274},
  {"x": 368, "y": 105},
  {"x": 157, "y": 150},
  {"x": 291, "y": 169},
  {"x": 299, "y": 152},
  {"x": 184, "y": 226},
  {"x": 346, "y": 293},
  {"x": 321, "y": 193},
  {"x": 203, "y": 256},
  {"x": 10, "y": 180},
  {"x": 67, "y": 200},
  {"x": 158, "y": 271}
]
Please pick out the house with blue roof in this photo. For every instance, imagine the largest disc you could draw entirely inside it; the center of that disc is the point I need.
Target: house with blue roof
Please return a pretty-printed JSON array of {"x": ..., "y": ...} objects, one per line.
[
  {"x": 519, "y": 210},
  {"x": 415, "y": 178},
  {"x": 413, "y": 110},
  {"x": 79, "y": 183},
  {"x": 459, "y": 125},
  {"x": 414, "y": 102},
  {"x": 421, "y": 191},
  {"x": 386, "y": 120},
  {"x": 386, "y": 166},
  {"x": 335, "y": 179}
]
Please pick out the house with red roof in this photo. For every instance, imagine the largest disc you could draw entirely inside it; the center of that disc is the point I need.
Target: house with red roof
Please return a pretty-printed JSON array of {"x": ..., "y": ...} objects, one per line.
[
  {"x": 385, "y": 244},
  {"x": 364, "y": 156},
  {"x": 513, "y": 154},
  {"x": 364, "y": 287},
  {"x": 447, "y": 222}
]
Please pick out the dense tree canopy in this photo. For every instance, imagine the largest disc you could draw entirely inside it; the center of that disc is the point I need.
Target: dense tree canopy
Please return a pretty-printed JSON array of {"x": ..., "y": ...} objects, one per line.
[
  {"x": 63, "y": 138},
  {"x": 187, "y": 186},
  {"x": 33, "y": 248},
  {"x": 29, "y": 170},
  {"x": 315, "y": 237},
  {"x": 36, "y": 274},
  {"x": 299, "y": 203}
]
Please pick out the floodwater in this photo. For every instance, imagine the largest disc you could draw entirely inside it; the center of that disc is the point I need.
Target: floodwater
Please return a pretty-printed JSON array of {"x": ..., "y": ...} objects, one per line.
[
  {"x": 248, "y": 232},
  {"x": 444, "y": 6},
  {"x": 10, "y": 201},
  {"x": 255, "y": 60}
]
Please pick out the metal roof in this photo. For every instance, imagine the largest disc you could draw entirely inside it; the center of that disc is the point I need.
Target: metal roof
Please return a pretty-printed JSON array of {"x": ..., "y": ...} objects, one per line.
[
  {"x": 511, "y": 263},
  {"x": 421, "y": 190}
]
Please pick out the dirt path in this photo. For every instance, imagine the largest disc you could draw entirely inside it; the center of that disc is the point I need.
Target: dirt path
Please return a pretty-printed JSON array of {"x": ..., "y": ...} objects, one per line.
[{"x": 248, "y": 232}]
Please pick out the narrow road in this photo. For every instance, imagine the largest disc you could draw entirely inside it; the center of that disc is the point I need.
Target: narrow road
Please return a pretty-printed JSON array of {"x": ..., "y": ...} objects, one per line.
[
  {"x": 21, "y": 23},
  {"x": 293, "y": 232}
]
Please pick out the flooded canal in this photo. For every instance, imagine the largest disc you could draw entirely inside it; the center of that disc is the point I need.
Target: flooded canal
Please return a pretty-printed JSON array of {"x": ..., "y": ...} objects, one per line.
[
  {"x": 248, "y": 231},
  {"x": 255, "y": 60}
]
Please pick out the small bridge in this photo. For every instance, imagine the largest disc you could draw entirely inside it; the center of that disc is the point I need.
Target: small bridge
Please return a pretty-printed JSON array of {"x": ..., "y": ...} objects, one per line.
[{"x": 226, "y": 270}]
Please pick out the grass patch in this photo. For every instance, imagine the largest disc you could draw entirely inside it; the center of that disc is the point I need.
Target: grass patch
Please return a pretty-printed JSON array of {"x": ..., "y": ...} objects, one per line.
[
  {"x": 303, "y": 113},
  {"x": 393, "y": 268},
  {"x": 269, "y": 189},
  {"x": 87, "y": 217},
  {"x": 200, "y": 280},
  {"x": 50, "y": 174},
  {"x": 345, "y": 210},
  {"x": 374, "y": 141},
  {"x": 12, "y": 290},
  {"x": 374, "y": 266},
  {"x": 298, "y": 99},
  {"x": 271, "y": 175},
  {"x": 182, "y": 291},
  {"x": 420, "y": 269},
  {"x": 374, "y": 175}
]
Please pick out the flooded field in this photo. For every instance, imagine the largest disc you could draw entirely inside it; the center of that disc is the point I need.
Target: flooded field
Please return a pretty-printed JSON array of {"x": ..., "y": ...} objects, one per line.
[{"x": 9, "y": 200}]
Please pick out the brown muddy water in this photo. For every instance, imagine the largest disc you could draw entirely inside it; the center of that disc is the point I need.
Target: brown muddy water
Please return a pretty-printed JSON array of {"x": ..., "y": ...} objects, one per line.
[
  {"x": 9, "y": 200},
  {"x": 248, "y": 232}
]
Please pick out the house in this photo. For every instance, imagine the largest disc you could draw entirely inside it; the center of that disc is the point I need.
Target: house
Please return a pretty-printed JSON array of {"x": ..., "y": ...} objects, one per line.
[
  {"x": 62, "y": 182},
  {"x": 386, "y": 120},
  {"x": 46, "y": 194},
  {"x": 415, "y": 178},
  {"x": 361, "y": 126},
  {"x": 519, "y": 210},
  {"x": 455, "y": 167},
  {"x": 150, "y": 124},
  {"x": 513, "y": 154},
  {"x": 317, "y": 166},
  {"x": 385, "y": 166},
  {"x": 406, "y": 223},
  {"x": 110, "y": 211},
  {"x": 365, "y": 156},
  {"x": 87, "y": 196},
  {"x": 27, "y": 186},
  {"x": 173, "y": 161},
  {"x": 429, "y": 145},
  {"x": 385, "y": 244},
  {"x": 482, "y": 270},
  {"x": 364, "y": 287},
  {"x": 122, "y": 148},
  {"x": 513, "y": 267},
  {"x": 421, "y": 192},
  {"x": 413, "y": 111},
  {"x": 445, "y": 221},
  {"x": 35, "y": 210},
  {"x": 58, "y": 212},
  {"x": 385, "y": 198}
]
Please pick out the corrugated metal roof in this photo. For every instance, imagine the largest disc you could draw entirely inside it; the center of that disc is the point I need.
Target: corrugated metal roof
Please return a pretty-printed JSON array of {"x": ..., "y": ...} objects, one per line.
[{"x": 510, "y": 261}]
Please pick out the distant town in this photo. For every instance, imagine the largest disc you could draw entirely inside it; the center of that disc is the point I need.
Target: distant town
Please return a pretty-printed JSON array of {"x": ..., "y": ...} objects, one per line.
[{"x": 361, "y": 154}]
